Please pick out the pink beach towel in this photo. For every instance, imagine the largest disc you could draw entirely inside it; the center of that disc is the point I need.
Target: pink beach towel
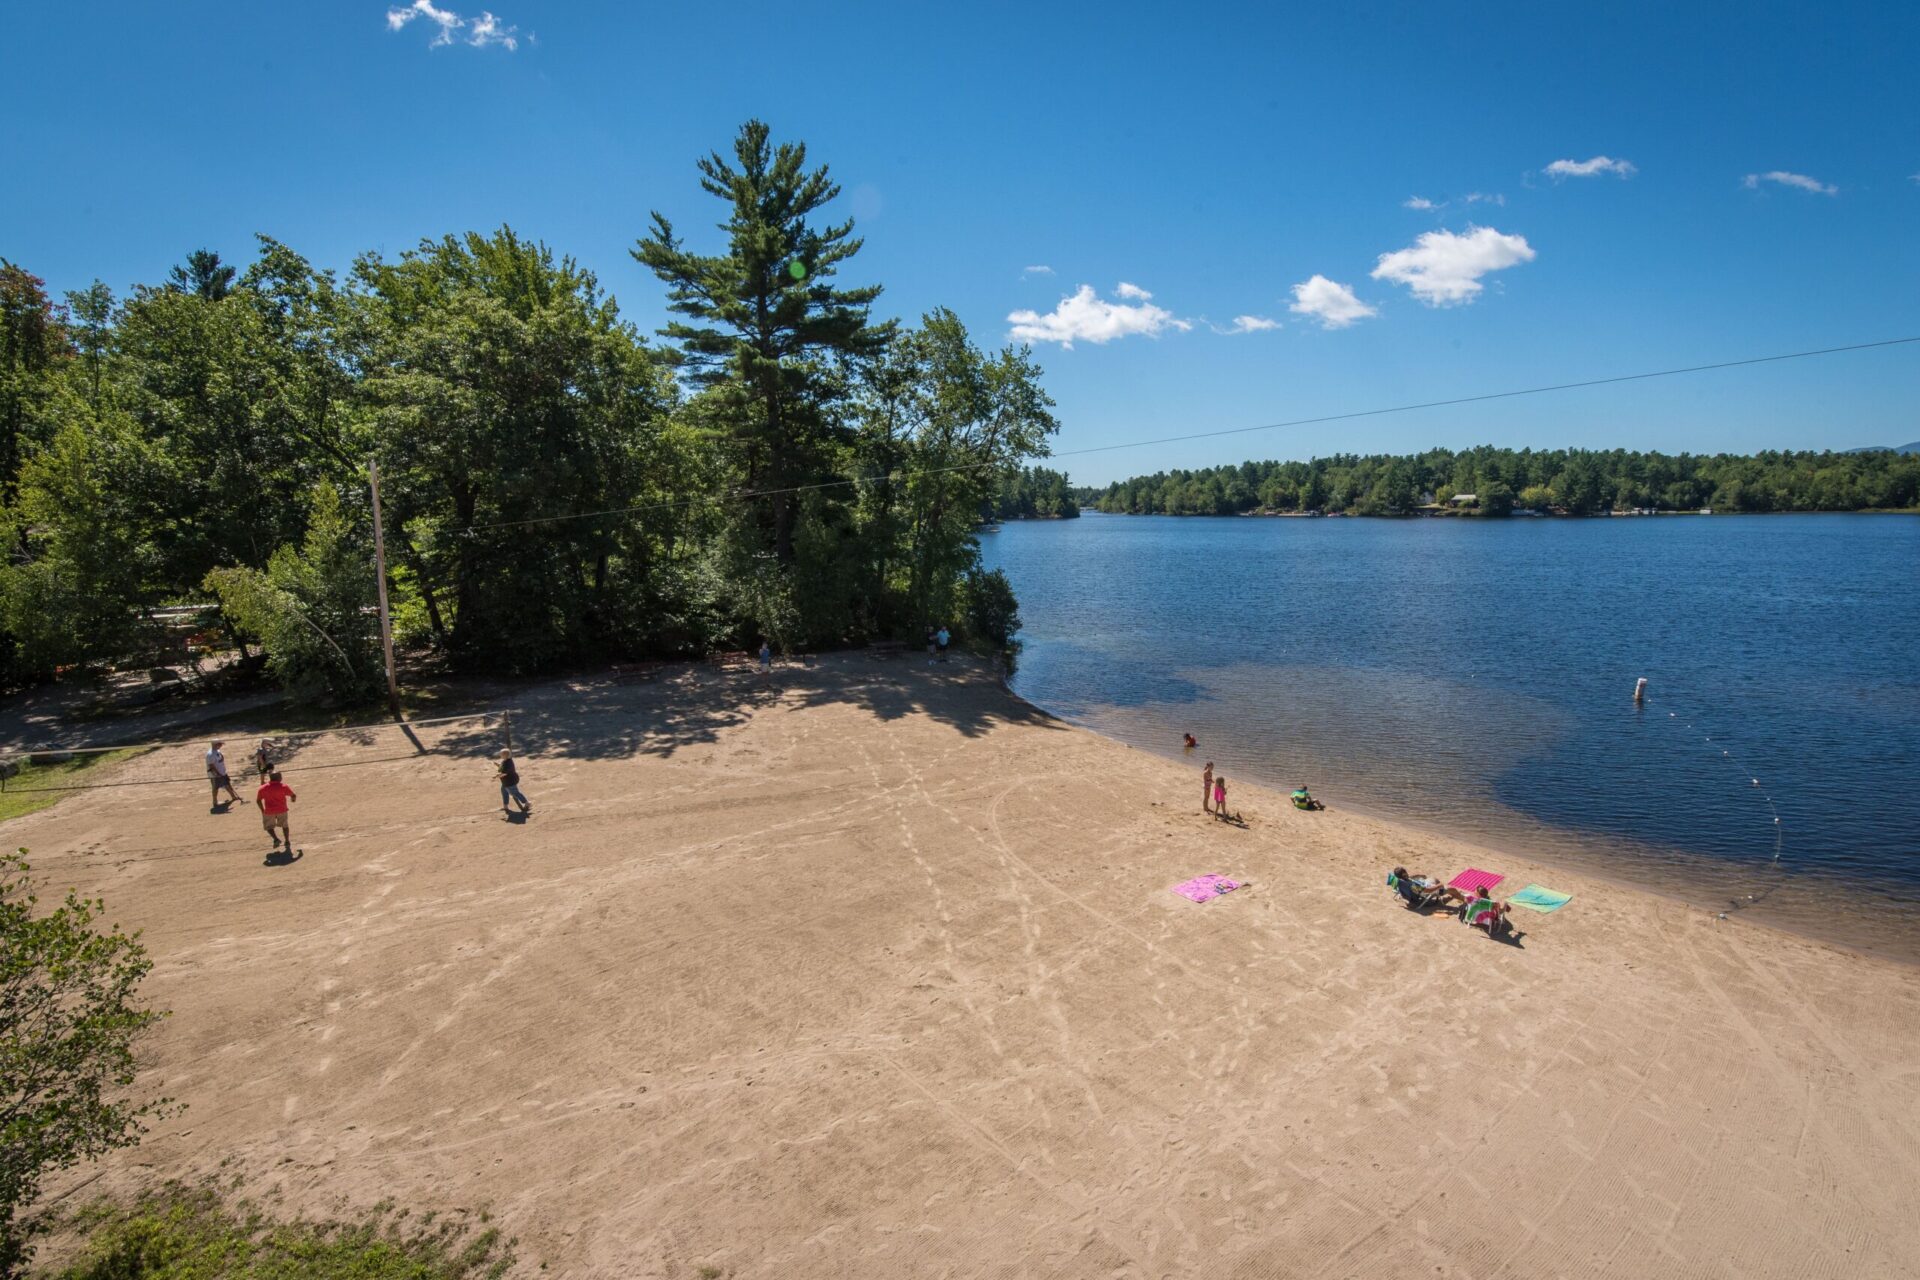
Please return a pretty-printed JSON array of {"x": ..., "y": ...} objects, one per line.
[
  {"x": 1202, "y": 888},
  {"x": 1472, "y": 878}
]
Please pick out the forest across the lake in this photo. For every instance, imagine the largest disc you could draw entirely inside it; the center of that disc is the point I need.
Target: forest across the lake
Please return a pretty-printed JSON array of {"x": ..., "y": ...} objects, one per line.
[{"x": 1493, "y": 481}]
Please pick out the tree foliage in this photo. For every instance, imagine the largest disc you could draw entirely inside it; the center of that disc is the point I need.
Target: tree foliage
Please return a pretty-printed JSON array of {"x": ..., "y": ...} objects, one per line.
[
  {"x": 557, "y": 489},
  {"x": 69, "y": 1023},
  {"x": 1034, "y": 493},
  {"x": 311, "y": 607},
  {"x": 1569, "y": 481}
]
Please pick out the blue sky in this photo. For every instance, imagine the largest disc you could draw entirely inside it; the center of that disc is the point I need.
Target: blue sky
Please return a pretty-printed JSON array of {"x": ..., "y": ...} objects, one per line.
[{"x": 1213, "y": 157}]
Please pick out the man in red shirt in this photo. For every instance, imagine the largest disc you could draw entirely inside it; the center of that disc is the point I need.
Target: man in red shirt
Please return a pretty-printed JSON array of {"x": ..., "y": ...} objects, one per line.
[{"x": 272, "y": 800}]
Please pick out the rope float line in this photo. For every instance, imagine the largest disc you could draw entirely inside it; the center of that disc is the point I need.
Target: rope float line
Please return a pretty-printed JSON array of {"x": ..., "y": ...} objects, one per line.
[{"x": 1736, "y": 762}]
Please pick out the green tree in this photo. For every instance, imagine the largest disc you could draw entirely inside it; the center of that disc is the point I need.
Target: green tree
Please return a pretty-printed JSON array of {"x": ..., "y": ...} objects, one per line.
[
  {"x": 33, "y": 344},
  {"x": 508, "y": 400},
  {"x": 69, "y": 1023},
  {"x": 312, "y": 608},
  {"x": 88, "y": 572},
  {"x": 768, "y": 323},
  {"x": 203, "y": 275},
  {"x": 91, "y": 310}
]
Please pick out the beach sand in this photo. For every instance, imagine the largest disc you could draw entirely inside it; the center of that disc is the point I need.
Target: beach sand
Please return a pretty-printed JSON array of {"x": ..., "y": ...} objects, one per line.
[{"x": 871, "y": 970}]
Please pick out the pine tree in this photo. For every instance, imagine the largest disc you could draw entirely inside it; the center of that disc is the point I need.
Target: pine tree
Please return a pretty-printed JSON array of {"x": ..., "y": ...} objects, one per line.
[{"x": 767, "y": 321}]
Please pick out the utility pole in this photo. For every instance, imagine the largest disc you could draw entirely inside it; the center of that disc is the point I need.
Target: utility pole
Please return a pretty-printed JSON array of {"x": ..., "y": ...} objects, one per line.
[{"x": 380, "y": 572}]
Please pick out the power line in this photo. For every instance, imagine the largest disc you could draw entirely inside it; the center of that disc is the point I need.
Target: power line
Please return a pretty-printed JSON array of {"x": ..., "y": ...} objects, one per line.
[{"x": 742, "y": 494}]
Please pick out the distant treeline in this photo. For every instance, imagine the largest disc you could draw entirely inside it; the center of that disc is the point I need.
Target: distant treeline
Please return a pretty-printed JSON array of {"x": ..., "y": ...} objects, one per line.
[
  {"x": 1561, "y": 481},
  {"x": 1033, "y": 493}
]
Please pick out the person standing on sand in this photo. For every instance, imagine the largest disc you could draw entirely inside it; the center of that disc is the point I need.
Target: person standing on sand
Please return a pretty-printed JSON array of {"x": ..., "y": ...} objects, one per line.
[
  {"x": 942, "y": 638},
  {"x": 1206, "y": 789},
  {"x": 1220, "y": 799},
  {"x": 766, "y": 659},
  {"x": 272, "y": 800},
  {"x": 217, "y": 775},
  {"x": 510, "y": 784},
  {"x": 263, "y": 759}
]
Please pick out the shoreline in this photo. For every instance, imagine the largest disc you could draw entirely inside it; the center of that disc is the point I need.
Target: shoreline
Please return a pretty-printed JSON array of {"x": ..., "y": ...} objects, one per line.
[{"x": 1562, "y": 859}]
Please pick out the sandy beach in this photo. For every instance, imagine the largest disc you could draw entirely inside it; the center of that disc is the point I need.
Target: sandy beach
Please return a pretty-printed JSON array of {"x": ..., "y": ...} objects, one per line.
[{"x": 868, "y": 969}]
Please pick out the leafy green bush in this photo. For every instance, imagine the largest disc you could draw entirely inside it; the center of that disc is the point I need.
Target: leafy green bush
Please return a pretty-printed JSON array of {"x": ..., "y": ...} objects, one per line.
[
  {"x": 68, "y": 1024},
  {"x": 313, "y": 607},
  {"x": 992, "y": 613}
]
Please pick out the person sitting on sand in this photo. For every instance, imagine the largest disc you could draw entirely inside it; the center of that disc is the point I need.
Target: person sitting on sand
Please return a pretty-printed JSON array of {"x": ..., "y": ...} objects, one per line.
[
  {"x": 1191, "y": 741},
  {"x": 1419, "y": 891},
  {"x": 1301, "y": 800}
]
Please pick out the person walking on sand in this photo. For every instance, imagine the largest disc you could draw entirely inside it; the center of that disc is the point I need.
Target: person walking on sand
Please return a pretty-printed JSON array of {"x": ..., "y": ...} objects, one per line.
[
  {"x": 217, "y": 775},
  {"x": 1206, "y": 789},
  {"x": 272, "y": 800},
  {"x": 510, "y": 784},
  {"x": 1220, "y": 799}
]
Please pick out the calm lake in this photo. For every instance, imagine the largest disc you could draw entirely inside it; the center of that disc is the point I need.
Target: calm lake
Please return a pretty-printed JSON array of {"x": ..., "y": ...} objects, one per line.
[{"x": 1477, "y": 676}]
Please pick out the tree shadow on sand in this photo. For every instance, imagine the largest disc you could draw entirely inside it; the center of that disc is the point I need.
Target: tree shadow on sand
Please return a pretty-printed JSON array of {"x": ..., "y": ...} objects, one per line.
[
  {"x": 959, "y": 694},
  {"x": 673, "y": 708}
]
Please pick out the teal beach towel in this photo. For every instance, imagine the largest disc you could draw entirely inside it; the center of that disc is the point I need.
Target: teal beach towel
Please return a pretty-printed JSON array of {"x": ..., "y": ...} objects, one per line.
[{"x": 1540, "y": 899}]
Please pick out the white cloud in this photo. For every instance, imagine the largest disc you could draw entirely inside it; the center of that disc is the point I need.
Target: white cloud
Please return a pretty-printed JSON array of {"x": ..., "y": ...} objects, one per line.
[
  {"x": 1418, "y": 202},
  {"x": 1443, "y": 269},
  {"x": 1248, "y": 324},
  {"x": 1797, "y": 180},
  {"x": 1589, "y": 168},
  {"x": 448, "y": 21},
  {"x": 483, "y": 31},
  {"x": 1480, "y": 197},
  {"x": 1086, "y": 316},
  {"x": 487, "y": 30},
  {"x": 1132, "y": 292},
  {"x": 1329, "y": 302},
  {"x": 1036, "y": 271}
]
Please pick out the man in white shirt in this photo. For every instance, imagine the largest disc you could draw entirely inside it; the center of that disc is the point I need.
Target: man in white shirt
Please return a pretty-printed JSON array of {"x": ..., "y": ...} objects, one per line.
[{"x": 217, "y": 775}]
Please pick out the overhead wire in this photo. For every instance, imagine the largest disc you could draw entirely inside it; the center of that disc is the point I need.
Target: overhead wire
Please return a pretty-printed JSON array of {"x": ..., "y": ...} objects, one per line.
[{"x": 739, "y": 495}]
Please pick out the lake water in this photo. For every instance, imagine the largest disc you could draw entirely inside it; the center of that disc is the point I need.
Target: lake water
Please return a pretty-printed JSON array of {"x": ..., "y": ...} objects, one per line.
[{"x": 1477, "y": 676}]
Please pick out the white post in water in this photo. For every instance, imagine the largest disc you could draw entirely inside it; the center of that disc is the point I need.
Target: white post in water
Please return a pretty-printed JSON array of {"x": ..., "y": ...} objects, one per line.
[{"x": 1640, "y": 690}]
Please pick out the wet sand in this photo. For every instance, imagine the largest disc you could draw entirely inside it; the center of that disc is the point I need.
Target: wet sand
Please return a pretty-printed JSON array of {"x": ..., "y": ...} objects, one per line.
[{"x": 870, "y": 969}]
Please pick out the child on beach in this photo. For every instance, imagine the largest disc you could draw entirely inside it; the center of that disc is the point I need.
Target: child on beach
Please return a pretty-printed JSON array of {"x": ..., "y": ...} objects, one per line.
[
  {"x": 1206, "y": 789},
  {"x": 1220, "y": 799},
  {"x": 510, "y": 784},
  {"x": 1191, "y": 741},
  {"x": 272, "y": 800},
  {"x": 263, "y": 759},
  {"x": 766, "y": 658}
]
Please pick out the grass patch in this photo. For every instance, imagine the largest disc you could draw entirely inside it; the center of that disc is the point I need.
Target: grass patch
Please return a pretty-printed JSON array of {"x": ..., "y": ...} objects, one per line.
[
  {"x": 190, "y": 1234},
  {"x": 37, "y": 786}
]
